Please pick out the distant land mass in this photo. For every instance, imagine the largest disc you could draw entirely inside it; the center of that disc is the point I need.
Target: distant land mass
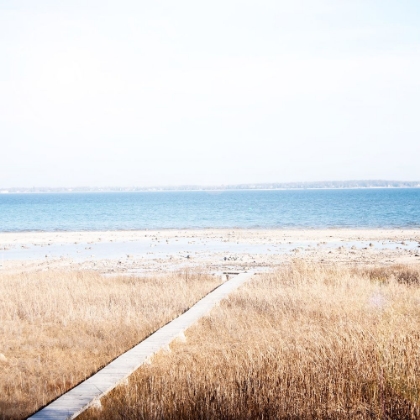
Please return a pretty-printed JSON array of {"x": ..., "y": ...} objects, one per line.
[{"x": 256, "y": 186}]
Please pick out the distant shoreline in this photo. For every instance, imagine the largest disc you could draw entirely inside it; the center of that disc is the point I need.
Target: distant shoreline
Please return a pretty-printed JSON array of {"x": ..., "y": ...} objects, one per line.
[{"x": 333, "y": 185}]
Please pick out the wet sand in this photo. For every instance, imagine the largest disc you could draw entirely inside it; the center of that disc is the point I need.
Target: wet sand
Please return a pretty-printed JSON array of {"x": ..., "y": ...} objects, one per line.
[{"x": 214, "y": 250}]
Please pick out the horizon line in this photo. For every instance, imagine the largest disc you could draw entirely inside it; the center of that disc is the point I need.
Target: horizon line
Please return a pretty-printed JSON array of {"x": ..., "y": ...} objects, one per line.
[{"x": 345, "y": 184}]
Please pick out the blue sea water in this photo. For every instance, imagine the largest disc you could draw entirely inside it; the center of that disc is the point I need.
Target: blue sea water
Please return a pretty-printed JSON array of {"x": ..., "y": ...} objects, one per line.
[{"x": 358, "y": 208}]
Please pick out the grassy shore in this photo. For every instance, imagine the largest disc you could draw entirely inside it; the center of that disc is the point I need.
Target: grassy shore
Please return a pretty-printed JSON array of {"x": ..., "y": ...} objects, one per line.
[
  {"x": 57, "y": 328},
  {"x": 307, "y": 342}
]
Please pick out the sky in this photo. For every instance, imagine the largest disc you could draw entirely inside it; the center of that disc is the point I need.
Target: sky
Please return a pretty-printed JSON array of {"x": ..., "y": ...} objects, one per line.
[{"x": 128, "y": 93}]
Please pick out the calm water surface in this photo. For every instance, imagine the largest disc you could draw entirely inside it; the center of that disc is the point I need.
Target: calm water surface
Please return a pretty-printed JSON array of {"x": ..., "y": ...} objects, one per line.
[{"x": 365, "y": 208}]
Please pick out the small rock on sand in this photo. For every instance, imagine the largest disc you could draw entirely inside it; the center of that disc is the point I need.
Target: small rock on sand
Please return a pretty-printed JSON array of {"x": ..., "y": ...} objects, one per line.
[{"x": 3, "y": 358}]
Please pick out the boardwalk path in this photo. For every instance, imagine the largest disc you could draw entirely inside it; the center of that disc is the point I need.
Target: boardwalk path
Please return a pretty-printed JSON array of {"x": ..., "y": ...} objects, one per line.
[{"x": 78, "y": 399}]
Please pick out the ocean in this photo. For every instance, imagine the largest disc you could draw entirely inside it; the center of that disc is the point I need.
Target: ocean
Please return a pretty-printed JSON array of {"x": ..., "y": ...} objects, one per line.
[{"x": 309, "y": 209}]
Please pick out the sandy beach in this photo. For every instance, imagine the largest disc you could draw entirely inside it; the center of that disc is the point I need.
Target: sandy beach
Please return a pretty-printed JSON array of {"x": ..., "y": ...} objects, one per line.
[{"x": 213, "y": 250}]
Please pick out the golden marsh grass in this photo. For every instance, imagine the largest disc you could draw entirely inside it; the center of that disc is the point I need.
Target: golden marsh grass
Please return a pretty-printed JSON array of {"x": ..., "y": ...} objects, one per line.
[
  {"x": 57, "y": 328},
  {"x": 306, "y": 342}
]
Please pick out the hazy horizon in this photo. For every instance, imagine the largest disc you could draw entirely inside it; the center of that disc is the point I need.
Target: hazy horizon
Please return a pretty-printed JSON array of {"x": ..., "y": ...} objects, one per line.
[
  {"x": 169, "y": 94},
  {"x": 336, "y": 184}
]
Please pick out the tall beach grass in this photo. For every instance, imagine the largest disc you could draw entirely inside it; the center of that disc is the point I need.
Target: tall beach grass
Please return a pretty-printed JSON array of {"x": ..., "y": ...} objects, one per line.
[
  {"x": 306, "y": 342},
  {"x": 57, "y": 328}
]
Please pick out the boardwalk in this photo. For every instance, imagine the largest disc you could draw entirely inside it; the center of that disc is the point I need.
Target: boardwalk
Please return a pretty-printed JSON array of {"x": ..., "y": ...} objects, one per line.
[{"x": 75, "y": 401}]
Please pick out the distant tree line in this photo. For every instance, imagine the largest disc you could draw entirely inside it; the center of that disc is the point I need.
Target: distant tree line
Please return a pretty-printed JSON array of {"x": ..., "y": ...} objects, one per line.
[{"x": 257, "y": 186}]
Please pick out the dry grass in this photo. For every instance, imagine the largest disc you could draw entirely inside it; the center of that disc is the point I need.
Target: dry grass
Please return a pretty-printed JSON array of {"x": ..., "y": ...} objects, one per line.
[
  {"x": 56, "y": 329},
  {"x": 306, "y": 342},
  {"x": 400, "y": 273}
]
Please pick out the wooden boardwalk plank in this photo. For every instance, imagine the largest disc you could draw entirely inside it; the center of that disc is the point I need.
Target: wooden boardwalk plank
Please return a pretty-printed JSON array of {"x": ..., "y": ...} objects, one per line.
[{"x": 78, "y": 399}]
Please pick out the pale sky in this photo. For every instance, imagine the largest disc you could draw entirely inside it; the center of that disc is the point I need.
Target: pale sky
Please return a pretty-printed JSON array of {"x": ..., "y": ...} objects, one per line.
[{"x": 136, "y": 93}]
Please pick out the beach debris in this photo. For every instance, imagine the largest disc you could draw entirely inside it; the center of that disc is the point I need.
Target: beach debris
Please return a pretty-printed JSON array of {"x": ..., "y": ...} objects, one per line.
[{"x": 3, "y": 358}]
